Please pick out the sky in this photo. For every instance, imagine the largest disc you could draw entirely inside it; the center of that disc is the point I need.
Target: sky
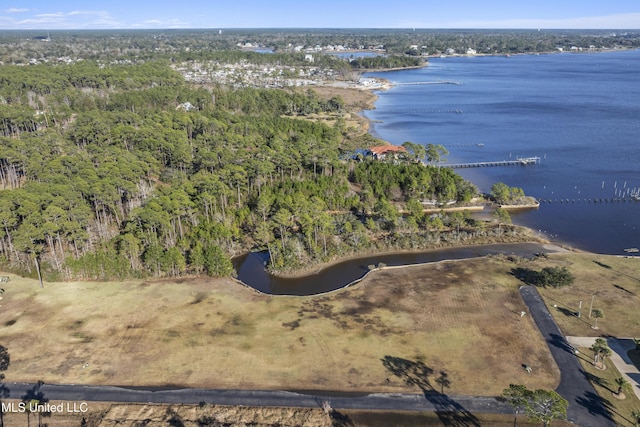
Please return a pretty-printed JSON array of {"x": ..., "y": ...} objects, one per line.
[{"x": 220, "y": 14}]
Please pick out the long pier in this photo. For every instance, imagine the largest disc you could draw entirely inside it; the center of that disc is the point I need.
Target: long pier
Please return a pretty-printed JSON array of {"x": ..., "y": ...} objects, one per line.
[
  {"x": 523, "y": 161},
  {"x": 439, "y": 82}
]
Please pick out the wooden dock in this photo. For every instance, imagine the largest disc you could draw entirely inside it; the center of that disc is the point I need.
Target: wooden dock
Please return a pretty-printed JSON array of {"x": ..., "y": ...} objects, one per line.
[{"x": 523, "y": 161}]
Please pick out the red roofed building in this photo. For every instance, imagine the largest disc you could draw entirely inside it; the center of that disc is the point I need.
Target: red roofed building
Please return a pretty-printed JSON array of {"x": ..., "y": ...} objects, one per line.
[{"x": 381, "y": 151}]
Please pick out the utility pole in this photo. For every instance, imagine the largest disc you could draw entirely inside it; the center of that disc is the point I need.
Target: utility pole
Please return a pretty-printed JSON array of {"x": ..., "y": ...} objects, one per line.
[
  {"x": 579, "y": 308},
  {"x": 591, "y": 306}
]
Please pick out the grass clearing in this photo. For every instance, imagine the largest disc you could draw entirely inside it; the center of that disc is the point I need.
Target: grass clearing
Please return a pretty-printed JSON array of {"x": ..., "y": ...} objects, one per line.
[
  {"x": 614, "y": 284},
  {"x": 460, "y": 317}
]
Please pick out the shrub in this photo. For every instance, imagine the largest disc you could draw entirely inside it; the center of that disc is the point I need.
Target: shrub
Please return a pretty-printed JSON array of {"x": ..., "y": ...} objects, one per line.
[{"x": 555, "y": 277}]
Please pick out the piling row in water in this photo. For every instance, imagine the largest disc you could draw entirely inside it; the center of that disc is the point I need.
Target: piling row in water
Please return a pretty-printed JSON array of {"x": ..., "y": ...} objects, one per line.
[
  {"x": 621, "y": 195},
  {"x": 592, "y": 200},
  {"x": 439, "y": 82},
  {"x": 477, "y": 144},
  {"x": 428, "y": 111}
]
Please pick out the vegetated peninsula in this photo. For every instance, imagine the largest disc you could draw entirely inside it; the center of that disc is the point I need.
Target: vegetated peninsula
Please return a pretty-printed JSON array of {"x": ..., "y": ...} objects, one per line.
[{"x": 123, "y": 168}]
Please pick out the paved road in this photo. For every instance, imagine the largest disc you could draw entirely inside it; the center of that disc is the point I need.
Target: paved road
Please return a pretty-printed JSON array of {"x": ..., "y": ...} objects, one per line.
[
  {"x": 585, "y": 406},
  {"x": 464, "y": 406}
]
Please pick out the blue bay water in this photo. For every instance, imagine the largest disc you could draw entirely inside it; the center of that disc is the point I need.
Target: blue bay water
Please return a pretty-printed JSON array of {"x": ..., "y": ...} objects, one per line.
[{"x": 579, "y": 112}]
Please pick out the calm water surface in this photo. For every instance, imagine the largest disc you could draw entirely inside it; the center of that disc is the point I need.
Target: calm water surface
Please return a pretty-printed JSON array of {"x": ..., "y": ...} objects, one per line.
[
  {"x": 250, "y": 267},
  {"x": 579, "y": 112}
]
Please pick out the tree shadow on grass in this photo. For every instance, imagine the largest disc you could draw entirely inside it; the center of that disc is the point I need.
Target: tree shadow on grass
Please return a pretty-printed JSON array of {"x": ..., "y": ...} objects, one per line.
[
  {"x": 601, "y": 264},
  {"x": 597, "y": 380},
  {"x": 624, "y": 290},
  {"x": 411, "y": 372},
  {"x": 173, "y": 418},
  {"x": 585, "y": 357},
  {"x": 340, "y": 420},
  {"x": 450, "y": 412},
  {"x": 567, "y": 312}
]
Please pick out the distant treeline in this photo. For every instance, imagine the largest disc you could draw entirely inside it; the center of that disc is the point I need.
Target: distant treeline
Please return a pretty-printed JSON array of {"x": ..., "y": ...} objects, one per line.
[
  {"x": 141, "y": 45},
  {"x": 384, "y": 62}
]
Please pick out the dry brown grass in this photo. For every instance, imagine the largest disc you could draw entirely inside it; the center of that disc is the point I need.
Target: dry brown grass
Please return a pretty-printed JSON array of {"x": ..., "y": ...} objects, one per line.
[
  {"x": 615, "y": 282},
  {"x": 353, "y": 98},
  {"x": 459, "y": 317},
  {"x": 430, "y": 419},
  {"x": 101, "y": 414}
]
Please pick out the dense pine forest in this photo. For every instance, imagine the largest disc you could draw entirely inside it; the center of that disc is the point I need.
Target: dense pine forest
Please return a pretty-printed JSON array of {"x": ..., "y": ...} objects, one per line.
[{"x": 126, "y": 170}]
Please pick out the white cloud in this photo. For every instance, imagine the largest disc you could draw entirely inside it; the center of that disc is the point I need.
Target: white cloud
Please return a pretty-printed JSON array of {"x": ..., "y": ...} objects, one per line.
[
  {"x": 77, "y": 19},
  {"x": 16, "y": 10},
  {"x": 83, "y": 19},
  {"x": 43, "y": 18},
  {"x": 87, "y": 12},
  {"x": 50, "y": 15},
  {"x": 161, "y": 23}
]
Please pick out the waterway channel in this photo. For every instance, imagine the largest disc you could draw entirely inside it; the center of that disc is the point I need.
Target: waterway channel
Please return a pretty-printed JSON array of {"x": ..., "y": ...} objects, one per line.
[{"x": 251, "y": 267}]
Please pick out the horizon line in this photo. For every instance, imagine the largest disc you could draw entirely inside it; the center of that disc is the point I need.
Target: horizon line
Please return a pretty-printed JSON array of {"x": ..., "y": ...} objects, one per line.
[{"x": 327, "y": 28}]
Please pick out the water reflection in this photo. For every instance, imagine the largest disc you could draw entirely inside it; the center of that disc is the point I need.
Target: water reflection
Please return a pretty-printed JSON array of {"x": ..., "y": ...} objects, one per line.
[{"x": 251, "y": 267}]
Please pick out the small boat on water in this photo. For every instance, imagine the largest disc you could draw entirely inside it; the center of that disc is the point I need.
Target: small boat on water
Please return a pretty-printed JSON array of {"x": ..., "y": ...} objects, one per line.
[{"x": 632, "y": 250}]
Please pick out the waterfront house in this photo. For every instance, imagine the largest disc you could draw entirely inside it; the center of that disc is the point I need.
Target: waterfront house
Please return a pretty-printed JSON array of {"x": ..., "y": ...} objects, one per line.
[{"x": 382, "y": 151}]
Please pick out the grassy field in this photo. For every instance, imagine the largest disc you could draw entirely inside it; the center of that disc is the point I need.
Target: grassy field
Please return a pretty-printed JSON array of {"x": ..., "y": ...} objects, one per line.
[
  {"x": 613, "y": 283},
  {"x": 459, "y": 318}
]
